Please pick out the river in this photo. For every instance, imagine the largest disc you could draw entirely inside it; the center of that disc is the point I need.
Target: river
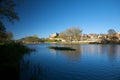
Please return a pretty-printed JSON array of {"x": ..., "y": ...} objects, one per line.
[{"x": 87, "y": 62}]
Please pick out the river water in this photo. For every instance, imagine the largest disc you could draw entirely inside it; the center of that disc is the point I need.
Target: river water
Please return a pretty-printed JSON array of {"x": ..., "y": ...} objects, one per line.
[{"x": 87, "y": 62}]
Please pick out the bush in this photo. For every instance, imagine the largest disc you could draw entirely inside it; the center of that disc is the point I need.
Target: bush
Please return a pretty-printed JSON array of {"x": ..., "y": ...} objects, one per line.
[{"x": 10, "y": 56}]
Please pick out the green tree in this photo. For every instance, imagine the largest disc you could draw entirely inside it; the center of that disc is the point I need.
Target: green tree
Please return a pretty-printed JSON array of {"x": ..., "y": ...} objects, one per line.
[
  {"x": 9, "y": 35},
  {"x": 31, "y": 39},
  {"x": 2, "y": 32},
  {"x": 2, "y": 28},
  {"x": 7, "y": 12}
]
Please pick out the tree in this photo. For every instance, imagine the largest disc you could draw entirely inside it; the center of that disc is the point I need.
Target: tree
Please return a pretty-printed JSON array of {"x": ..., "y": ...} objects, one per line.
[
  {"x": 2, "y": 32},
  {"x": 2, "y": 28},
  {"x": 31, "y": 39},
  {"x": 9, "y": 36},
  {"x": 7, "y": 12},
  {"x": 71, "y": 34},
  {"x": 112, "y": 35},
  {"x": 61, "y": 35},
  {"x": 111, "y": 31}
]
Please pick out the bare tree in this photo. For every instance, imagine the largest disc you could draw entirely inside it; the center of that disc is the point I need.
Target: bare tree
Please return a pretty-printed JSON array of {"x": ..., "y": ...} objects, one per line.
[{"x": 71, "y": 34}]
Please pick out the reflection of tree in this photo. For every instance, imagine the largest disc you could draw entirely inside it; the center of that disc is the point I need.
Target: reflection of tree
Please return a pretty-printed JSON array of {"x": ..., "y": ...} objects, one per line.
[
  {"x": 72, "y": 54},
  {"x": 111, "y": 52},
  {"x": 30, "y": 71},
  {"x": 53, "y": 51},
  {"x": 91, "y": 49},
  {"x": 102, "y": 49}
]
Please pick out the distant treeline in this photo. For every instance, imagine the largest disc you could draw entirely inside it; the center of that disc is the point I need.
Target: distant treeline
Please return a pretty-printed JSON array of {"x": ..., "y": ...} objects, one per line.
[{"x": 34, "y": 39}]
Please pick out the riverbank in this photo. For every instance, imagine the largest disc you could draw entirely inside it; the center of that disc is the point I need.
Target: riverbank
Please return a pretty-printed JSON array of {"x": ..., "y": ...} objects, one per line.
[
  {"x": 87, "y": 42},
  {"x": 10, "y": 56}
]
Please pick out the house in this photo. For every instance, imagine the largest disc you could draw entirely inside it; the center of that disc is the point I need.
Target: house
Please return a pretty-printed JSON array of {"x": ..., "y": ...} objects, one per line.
[
  {"x": 54, "y": 35},
  {"x": 118, "y": 35}
]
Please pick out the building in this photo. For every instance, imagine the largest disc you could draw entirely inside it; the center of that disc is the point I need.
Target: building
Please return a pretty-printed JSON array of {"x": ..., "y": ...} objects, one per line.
[
  {"x": 118, "y": 35},
  {"x": 54, "y": 35}
]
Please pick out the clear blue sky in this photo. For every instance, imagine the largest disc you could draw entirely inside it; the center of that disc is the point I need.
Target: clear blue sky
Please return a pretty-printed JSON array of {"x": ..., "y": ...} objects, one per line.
[{"x": 42, "y": 17}]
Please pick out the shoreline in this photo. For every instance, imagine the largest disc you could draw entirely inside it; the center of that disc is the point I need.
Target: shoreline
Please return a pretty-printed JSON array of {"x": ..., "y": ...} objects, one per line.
[{"x": 80, "y": 42}]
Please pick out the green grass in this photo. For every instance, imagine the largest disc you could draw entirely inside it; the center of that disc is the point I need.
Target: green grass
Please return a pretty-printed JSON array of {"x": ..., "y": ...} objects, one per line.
[{"x": 60, "y": 48}]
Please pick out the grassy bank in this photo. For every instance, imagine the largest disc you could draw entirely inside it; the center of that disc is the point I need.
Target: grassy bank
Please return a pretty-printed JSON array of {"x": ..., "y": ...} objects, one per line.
[
  {"x": 10, "y": 55},
  {"x": 75, "y": 42}
]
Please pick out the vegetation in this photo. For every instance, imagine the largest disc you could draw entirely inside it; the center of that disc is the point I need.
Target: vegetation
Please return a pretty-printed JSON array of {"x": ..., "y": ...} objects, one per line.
[
  {"x": 7, "y": 12},
  {"x": 60, "y": 48},
  {"x": 10, "y": 56},
  {"x": 51, "y": 40},
  {"x": 73, "y": 35},
  {"x": 9, "y": 35},
  {"x": 31, "y": 39},
  {"x": 112, "y": 36},
  {"x": 10, "y": 52},
  {"x": 111, "y": 31},
  {"x": 70, "y": 34}
]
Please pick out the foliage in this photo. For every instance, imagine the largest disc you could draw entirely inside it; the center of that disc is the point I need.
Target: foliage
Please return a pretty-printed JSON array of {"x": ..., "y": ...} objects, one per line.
[
  {"x": 9, "y": 35},
  {"x": 7, "y": 12},
  {"x": 6, "y": 36},
  {"x": 111, "y": 31},
  {"x": 70, "y": 34},
  {"x": 30, "y": 39},
  {"x": 51, "y": 40},
  {"x": 2, "y": 32},
  {"x": 2, "y": 28},
  {"x": 112, "y": 36},
  {"x": 10, "y": 56}
]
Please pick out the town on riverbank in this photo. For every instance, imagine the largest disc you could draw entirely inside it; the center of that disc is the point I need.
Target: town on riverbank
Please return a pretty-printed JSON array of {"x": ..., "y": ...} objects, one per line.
[{"x": 74, "y": 35}]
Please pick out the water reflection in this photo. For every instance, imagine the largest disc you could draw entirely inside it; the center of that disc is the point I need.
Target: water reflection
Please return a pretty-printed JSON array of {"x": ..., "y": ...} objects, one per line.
[
  {"x": 43, "y": 66},
  {"x": 53, "y": 51},
  {"x": 29, "y": 70},
  {"x": 74, "y": 55},
  {"x": 112, "y": 52}
]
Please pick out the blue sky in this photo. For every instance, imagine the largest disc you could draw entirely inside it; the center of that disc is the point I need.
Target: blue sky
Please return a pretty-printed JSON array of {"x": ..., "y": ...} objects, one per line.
[{"x": 42, "y": 17}]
